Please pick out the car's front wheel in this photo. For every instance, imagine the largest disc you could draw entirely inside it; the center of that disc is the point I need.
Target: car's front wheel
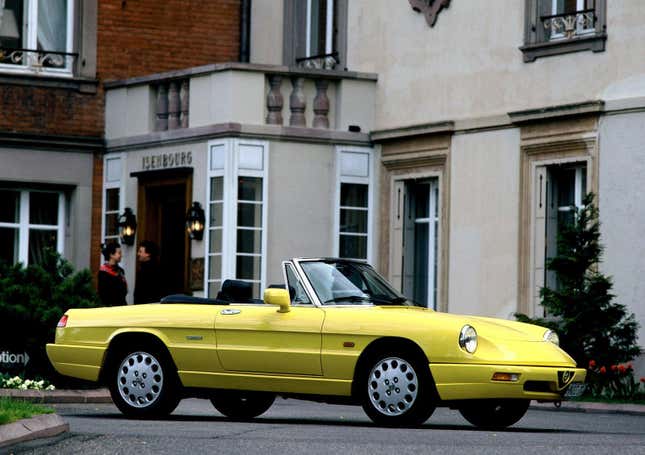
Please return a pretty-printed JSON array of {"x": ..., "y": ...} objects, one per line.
[
  {"x": 397, "y": 390},
  {"x": 143, "y": 384},
  {"x": 242, "y": 405},
  {"x": 491, "y": 414}
]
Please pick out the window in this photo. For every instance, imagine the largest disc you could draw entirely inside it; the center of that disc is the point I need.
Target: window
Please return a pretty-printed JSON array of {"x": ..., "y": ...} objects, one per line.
[
  {"x": 353, "y": 215},
  {"x": 237, "y": 214},
  {"x": 315, "y": 33},
  {"x": 30, "y": 222},
  {"x": 111, "y": 199},
  {"x": 420, "y": 241},
  {"x": 36, "y": 35},
  {"x": 296, "y": 289},
  {"x": 559, "y": 26},
  {"x": 566, "y": 186}
]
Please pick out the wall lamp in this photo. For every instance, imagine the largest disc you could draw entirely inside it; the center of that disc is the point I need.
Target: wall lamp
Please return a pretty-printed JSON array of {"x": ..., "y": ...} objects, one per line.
[
  {"x": 127, "y": 226},
  {"x": 195, "y": 221}
]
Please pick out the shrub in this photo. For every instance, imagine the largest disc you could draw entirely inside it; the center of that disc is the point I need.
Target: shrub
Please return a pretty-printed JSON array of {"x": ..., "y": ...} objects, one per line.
[
  {"x": 32, "y": 300},
  {"x": 591, "y": 325}
]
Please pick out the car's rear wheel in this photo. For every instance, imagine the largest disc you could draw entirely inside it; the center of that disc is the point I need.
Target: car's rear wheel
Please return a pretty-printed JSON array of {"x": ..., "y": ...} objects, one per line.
[
  {"x": 242, "y": 405},
  {"x": 494, "y": 413},
  {"x": 143, "y": 383},
  {"x": 397, "y": 390}
]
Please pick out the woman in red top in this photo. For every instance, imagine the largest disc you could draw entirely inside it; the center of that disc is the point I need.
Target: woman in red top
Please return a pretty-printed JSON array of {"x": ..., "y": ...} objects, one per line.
[{"x": 112, "y": 285}]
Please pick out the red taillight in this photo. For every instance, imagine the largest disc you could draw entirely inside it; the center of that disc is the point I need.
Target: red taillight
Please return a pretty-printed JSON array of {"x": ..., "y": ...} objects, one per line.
[{"x": 62, "y": 322}]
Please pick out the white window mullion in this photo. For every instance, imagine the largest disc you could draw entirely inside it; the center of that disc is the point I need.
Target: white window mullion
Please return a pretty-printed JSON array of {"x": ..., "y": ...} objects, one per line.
[
  {"x": 431, "y": 245},
  {"x": 60, "y": 239},
  {"x": 23, "y": 235},
  {"x": 308, "y": 31},
  {"x": 329, "y": 24}
]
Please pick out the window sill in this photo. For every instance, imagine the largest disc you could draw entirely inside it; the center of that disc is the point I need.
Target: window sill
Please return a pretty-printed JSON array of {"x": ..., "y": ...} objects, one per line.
[
  {"x": 60, "y": 81},
  {"x": 595, "y": 43}
]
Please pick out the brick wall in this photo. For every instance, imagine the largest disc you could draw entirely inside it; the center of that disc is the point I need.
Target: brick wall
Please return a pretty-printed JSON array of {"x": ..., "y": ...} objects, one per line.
[{"x": 140, "y": 37}]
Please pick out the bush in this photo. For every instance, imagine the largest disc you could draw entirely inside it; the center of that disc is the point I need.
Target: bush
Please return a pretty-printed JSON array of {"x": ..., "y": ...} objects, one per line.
[
  {"x": 593, "y": 328},
  {"x": 32, "y": 300}
]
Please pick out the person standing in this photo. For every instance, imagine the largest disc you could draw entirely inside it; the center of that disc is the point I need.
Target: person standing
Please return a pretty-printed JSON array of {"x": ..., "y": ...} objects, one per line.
[
  {"x": 112, "y": 284},
  {"x": 147, "y": 288}
]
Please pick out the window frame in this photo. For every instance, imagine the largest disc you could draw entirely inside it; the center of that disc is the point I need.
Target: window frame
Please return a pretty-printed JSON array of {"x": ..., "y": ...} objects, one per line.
[
  {"x": 231, "y": 169},
  {"x": 537, "y": 46},
  {"x": 24, "y": 225},
  {"x": 31, "y": 38},
  {"x": 296, "y": 40},
  {"x": 109, "y": 185},
  {"x": 368, "y": 180}
]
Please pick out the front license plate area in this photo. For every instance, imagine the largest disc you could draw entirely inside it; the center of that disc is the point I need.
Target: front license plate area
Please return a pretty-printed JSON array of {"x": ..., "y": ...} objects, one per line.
[{"x": 575, "y": 390}]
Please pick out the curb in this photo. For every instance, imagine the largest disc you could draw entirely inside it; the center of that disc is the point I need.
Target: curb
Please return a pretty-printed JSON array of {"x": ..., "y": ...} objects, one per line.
[
  {"x": 41, "y": 426},
  {"x": 592, "y": 407},
  {"x": 58, "y": 396}
]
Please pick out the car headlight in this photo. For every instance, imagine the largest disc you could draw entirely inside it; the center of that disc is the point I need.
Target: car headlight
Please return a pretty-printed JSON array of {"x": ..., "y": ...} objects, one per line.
[
  {"x": 551, "y": 336},
  {"x": 468, "y": 339}
]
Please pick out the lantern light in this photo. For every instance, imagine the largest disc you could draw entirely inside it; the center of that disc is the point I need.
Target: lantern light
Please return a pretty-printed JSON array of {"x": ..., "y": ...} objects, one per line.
[
  {"x": 195, "y": 221},
  {"x": 127, "y": 226}
]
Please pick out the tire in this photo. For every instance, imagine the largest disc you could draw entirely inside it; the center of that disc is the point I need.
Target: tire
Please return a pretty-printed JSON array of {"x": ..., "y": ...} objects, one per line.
[
  {"x": 143, "y": 382},
  {"x": 397, "y": 390},
  {"x": 494, "y": 414},
  {"x": 242, "y": 405}
]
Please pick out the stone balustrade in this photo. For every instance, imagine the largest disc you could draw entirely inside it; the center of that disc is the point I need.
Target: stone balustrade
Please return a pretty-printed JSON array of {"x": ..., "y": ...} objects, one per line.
[{"x": 240, "y": 94}]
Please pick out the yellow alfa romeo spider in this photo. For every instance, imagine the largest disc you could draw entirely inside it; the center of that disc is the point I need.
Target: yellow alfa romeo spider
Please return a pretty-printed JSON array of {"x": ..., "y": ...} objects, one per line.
[{"x": 335, "y": 332}]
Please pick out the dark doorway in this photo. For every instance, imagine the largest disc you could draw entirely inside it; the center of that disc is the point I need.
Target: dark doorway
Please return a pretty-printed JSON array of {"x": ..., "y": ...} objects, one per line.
[{"x": 163, "y": 203}]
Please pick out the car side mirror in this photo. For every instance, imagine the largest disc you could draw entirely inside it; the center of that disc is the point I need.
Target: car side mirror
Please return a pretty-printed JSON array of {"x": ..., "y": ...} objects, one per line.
[{"x": 273, "y": 296}]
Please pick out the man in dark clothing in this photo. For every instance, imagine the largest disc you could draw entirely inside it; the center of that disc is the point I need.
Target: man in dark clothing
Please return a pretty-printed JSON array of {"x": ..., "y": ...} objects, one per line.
[
  {"x": 112, "y": 285},
  {"x": 148, "y": 286}
]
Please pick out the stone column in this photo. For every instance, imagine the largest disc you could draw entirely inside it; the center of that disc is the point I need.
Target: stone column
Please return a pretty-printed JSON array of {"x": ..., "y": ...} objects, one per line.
[
  {"x": 184, "y": 94},
  {"x": 173, "y": 105},
  {"x": 161, "y": 122},
  {"x": 274, "y": 101},
  {"x": 321, "y": 104},
  {"x": 297, "y": 103}
]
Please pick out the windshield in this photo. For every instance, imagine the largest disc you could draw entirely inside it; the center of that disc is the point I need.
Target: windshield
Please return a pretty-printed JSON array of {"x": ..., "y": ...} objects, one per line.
[{"x": 350, "y": 283}]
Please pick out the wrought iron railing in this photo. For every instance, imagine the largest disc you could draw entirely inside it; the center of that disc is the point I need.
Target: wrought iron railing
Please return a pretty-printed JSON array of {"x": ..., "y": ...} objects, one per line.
[
  {"x": 319, "y": 62},
  {"x": 38, "y": 59},
  {"x": 569, "y": 25}
]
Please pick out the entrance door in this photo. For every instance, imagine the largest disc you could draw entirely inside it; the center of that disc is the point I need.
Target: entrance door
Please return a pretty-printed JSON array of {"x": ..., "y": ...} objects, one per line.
[
  {"x": 162, "y": 210},
  {"x": 420, "y": 238}
]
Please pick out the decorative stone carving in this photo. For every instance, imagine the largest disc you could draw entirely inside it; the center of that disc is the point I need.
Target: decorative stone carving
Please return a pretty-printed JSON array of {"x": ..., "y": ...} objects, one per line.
[
  {"x": 297, "y": 103},
  {"x": 184, "y": 94},
  {"x": 321, "y": 104},
  {"x": 173, "y": 105},
  {"x": 274, "y": 101},
  {"x": 429, "y": 8},
  {"x": 161, "y": 123}
]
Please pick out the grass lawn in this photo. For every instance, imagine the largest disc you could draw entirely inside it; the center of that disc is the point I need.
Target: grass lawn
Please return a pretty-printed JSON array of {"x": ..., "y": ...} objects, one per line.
[{"x": 12, "y": 410}]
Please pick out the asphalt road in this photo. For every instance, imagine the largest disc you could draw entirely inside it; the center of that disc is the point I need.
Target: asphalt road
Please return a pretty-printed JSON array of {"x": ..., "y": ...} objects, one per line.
[{"x": 297, "y": 427}]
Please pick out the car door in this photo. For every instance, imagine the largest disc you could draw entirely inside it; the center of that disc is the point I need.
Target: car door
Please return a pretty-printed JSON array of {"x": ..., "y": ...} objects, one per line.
[{"x": 256, "y": 338}]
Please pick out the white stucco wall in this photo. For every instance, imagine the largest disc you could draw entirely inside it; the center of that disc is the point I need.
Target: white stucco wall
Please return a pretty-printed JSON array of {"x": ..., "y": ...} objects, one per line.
[
  {"x": 622, "y": 209},
  {"x": 484, "y": 204},
  {"x": 266, "y": 31},
  {"x": 469, "y": 64}
]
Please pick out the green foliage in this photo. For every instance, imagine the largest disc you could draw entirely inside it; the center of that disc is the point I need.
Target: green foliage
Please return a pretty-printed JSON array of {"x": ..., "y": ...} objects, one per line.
[
  {"x": 13, "y": 410},
  {"x": 32, "y": 300},
  {"x": 581, "y": 309}
]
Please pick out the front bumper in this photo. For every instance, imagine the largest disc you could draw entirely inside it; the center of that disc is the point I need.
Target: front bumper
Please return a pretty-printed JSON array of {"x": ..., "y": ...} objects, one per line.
[{"x": 468, "y": 382}]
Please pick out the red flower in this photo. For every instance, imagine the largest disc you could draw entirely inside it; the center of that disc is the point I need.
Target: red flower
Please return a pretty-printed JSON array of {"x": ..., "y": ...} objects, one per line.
[
  {"x": 630, "y": 366},
  {"x": 643, "y": 379},
  {"x": 592, "y": 364},
  {"x": 603, "y": 370},
  {"x": 614, "y": 368},
  {"x": 622, "y": 368}
]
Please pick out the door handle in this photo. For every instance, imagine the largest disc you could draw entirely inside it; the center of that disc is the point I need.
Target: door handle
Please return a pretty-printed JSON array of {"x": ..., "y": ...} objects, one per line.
[{"x": 230, "y": 311}]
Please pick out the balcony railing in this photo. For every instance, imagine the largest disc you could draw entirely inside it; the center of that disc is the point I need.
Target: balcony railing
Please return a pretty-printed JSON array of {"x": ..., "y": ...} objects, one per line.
[
  {"x": 240, "y": 93},
  {"x": 171, "y": 106},
  {"x": 569, "y": 25},
  {"x": 37, "y": 59}
]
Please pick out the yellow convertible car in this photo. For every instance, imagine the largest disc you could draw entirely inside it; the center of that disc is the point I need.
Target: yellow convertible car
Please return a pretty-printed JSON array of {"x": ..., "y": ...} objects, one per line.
[{"x": 335, "y": 332}]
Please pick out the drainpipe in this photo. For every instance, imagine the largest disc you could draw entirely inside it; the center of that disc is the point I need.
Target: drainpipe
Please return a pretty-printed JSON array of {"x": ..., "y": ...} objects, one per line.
[{"x": 245, "y": 30}]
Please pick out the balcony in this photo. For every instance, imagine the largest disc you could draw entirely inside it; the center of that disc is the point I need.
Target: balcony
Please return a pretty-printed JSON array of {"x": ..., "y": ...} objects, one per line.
[{"x": 265, "y": 99}]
